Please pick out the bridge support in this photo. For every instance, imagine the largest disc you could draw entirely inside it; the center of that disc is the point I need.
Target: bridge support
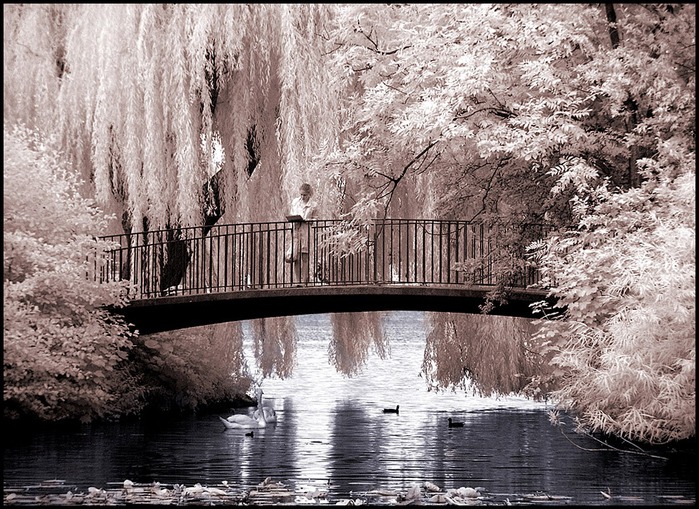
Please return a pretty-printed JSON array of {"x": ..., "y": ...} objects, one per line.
[{"x": 168, "y": 313}]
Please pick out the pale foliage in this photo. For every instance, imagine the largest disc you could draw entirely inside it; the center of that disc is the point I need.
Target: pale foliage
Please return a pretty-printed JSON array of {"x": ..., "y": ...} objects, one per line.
[
  {"x": 426, "y": 91},
  {"x": 190, "y": 368},
  {"x": 63, "y": 354},
  {"x": 134, "y": 89},
  {"x": 523, "y": 113},
  {"x": 274, "y": 343},
  {"x": 479, "y": 109},
  {"x": 31, "y": 49},
  {"x": 627, "y": 346},
  {"x": 138, "y": 94}
]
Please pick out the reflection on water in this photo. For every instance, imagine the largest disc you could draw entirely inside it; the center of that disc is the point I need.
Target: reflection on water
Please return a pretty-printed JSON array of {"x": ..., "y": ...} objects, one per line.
[{"x": 332, "y": 429}]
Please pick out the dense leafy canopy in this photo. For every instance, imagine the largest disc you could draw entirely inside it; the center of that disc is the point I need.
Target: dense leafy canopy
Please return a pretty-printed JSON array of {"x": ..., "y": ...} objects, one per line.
[
  {"x": 579, "y": 115},
  {"x": 626, "y": 349},
  {"x": 191, "y": 368},
  {"x": 141, "y": 96},
  {"x": 483, "y": 110}
]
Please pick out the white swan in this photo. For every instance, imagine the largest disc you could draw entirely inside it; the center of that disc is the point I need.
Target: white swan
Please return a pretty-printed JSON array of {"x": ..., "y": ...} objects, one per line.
[
  {"x": 240, "y": 421},
  {"x": 270, "y": 414},
  {"x": 258, "y": 420}
]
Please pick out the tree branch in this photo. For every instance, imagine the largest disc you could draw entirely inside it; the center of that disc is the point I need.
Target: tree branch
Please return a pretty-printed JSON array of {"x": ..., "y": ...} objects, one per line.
[
  {"x": 500, "y": 112},
  {"x": 375, "y": 43},
  {"x": 389, "y": 187},
  {"x": 613, "y": 30}
]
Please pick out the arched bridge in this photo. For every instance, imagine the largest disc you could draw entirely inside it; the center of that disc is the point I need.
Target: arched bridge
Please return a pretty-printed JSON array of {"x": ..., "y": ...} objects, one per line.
[{"x": 212, "y": 274}]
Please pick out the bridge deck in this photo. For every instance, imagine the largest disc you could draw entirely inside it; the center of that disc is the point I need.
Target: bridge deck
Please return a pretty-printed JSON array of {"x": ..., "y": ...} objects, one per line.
[{"x": 175, "y": 312}]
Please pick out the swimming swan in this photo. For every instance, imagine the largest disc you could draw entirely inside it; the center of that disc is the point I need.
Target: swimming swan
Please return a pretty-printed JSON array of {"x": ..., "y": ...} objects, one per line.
[
  {"x": 240, "y": 421},
  {"x": 270, "y": 414},
  {"x": 258, "y": 420}
]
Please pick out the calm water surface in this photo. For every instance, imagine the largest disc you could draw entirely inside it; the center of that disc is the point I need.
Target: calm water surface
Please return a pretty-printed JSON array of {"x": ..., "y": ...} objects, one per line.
[{"x": 332, "y": 429}]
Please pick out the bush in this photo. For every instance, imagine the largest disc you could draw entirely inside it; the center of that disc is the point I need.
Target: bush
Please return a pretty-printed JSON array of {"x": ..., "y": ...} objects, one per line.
[
  {"x": 626, "y": 350},
  {"x": 64, "y": 355}
]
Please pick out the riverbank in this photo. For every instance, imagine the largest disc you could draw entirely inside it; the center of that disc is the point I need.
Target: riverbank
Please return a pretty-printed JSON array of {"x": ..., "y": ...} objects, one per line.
[
  {"x": 270, "y": 492},
  {"x": 30, "y": 424}
]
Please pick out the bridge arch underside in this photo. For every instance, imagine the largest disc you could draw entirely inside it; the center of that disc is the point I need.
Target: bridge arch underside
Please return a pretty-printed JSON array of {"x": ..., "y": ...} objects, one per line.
[{"x": 178, "y": 312}]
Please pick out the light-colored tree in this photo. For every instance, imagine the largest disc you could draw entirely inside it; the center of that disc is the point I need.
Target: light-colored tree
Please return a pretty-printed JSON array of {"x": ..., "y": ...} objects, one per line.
[
  {"x": 625, "y": 347},
  {"x": 483, "y": 355},
  {"x": 143, "y": 95},
  {"x": 514, "y": 114},
  {"x": 64, "y": 356},
  {"x": 274, "y": 344},
  {"x": 179, "y": 372},
  {"x": 355, "y": 336},
  {"x": 480, "y": 111}
]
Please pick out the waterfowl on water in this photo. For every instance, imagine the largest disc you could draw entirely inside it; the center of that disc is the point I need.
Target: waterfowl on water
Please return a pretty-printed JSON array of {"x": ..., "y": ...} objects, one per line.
[
  {"x": 455, "y": 424},
  {"x": 239, "y": 421},
  {"x": 258, "y": 420},
  {"x": 250, "y": 434},
  {"x": 270, "y": 414},
  {"x": 391, "y": 410}
]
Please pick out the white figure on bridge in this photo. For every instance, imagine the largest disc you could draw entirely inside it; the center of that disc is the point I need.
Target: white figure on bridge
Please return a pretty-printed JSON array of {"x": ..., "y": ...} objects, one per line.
[{"x": 304, "y": 207}]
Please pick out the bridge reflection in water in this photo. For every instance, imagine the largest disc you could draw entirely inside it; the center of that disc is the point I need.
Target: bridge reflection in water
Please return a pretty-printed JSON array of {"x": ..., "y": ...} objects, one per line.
[{"x": 410, "y": 262}]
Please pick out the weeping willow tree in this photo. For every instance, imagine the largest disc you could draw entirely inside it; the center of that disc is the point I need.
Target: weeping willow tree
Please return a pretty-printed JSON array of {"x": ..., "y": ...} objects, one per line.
[
  {"x": 141, "y": 95},
  {"x": 355, "y": 336},
  {"x": 181, "y": 115}
]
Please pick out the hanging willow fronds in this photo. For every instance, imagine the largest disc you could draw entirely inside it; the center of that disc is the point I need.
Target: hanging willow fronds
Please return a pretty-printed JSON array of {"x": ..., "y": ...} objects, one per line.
[
  {"x": 274, "y": 342},
  {"x": 353, "y": 336},
  {"x": 137, "y": 93},
  {"x": 490, "y": 355}
]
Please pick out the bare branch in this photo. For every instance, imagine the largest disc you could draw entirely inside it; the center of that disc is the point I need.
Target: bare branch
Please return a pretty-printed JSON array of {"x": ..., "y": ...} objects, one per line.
[{"x": 500, "y": 112}]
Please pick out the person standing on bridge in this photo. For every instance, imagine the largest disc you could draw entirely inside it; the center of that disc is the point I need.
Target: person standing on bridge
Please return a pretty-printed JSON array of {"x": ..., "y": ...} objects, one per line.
[{"x": 304, "y": 207}]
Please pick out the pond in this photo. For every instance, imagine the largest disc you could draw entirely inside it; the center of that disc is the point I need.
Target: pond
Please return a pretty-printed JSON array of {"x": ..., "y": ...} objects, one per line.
[{"x": 332, "y": 432}]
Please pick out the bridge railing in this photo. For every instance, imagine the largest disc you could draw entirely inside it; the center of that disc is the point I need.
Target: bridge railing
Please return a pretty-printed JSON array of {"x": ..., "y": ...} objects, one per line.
[{"x": 234, "y": 257}]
